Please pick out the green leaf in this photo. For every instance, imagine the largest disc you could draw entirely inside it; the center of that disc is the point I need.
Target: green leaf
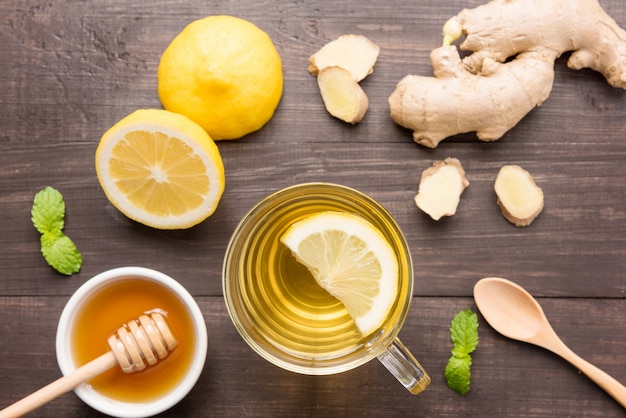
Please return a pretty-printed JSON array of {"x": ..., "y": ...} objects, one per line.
[
  {"x": 464, "y": 333},
  {"x": 61, "y": 253},
  {"x": 48, "y": 211},
  {"x": 457, "y": 374},
  {"x": 464, "y": 336},
  {"x": 48, "y": 216}
]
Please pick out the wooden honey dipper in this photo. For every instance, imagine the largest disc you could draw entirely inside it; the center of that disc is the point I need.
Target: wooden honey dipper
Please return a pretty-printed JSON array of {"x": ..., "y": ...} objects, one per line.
[{"x": 135, "y": 345}]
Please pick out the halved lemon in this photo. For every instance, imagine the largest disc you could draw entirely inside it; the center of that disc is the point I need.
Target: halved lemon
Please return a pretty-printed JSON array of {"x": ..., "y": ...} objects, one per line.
[
  {"x": 352, "y": 260},
  {"x": 161, "y": 169}
]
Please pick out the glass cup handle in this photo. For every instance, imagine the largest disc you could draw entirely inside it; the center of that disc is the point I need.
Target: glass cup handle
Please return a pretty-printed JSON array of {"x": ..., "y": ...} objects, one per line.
[{"x": 401, "y": 363}]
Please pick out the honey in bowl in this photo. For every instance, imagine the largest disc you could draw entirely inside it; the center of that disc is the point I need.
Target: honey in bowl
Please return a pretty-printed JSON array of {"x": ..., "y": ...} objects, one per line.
[{"x": 111, "y": 307}]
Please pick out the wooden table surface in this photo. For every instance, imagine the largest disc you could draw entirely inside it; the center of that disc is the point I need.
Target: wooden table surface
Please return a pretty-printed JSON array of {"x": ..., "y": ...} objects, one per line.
[{"x": 72, "y": 69}]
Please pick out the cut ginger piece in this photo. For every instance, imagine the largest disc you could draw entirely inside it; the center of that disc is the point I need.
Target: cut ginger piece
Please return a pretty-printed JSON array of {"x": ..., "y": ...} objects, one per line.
[
  {"x": 519, "y": 197},
  {"x": 440, "y": 188},
  {"x": 354, "y": 53},
  {"x": 342, "y": 95}
]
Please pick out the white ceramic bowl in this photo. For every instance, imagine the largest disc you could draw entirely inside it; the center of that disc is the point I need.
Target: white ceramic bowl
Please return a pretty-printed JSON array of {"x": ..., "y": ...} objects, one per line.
[{"x": 114, "y": 407}]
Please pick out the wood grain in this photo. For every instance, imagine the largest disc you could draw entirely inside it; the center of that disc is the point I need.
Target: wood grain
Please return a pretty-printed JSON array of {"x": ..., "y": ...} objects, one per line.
[
  {"x": 71, "y": 69},
  {"x": 508, "y": 378}
]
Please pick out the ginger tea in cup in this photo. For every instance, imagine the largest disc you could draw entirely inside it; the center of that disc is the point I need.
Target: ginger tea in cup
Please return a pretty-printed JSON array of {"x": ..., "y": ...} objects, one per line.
[{"x": 282, "y": 312}]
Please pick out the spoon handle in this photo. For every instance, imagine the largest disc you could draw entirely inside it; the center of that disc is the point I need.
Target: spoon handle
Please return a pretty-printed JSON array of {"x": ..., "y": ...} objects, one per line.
[
  {"x": 601, "y": 378},
  {"x": 60, "y": 386}
]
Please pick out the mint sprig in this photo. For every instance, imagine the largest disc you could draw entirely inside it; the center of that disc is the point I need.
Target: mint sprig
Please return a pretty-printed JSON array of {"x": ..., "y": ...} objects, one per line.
[
  {"x": 464, "y": 336},
  {"x": 48, "y": 216}
]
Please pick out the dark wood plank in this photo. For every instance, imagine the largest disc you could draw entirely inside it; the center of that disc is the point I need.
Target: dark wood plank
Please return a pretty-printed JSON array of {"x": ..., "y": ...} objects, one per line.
[
  {"x": 574, "y": 248},
  {"x": 508, "y": 378}
]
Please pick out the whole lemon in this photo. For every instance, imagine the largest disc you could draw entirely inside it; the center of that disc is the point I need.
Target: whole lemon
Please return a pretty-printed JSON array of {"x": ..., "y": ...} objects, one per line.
[{"x": 224, "y": 73}]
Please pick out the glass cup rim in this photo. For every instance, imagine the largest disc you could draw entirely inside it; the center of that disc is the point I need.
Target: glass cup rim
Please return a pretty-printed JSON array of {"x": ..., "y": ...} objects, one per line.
[{"x": 380, "y": 344}]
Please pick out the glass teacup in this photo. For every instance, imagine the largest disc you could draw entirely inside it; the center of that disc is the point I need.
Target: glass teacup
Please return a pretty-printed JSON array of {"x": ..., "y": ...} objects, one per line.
[{"x": 285, "y": 316}]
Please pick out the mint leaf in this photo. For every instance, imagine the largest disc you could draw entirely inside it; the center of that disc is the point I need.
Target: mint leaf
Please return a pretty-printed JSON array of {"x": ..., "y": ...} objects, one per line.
[
  {"x": 464, "y": 336},
  {"x": 48, "y": 211},
  {"x": 47, "y": 214},
  {"x": 61, "y": 253},
  {"x": 464, "y": 332},
  {"x": 457, "y": 374}
]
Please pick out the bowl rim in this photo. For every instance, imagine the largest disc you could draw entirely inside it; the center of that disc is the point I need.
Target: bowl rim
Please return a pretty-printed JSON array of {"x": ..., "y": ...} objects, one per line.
[{"x": 103, "y": 403}]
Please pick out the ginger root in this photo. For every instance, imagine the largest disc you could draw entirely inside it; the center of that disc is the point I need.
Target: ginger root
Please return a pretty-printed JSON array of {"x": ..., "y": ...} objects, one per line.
[
  {"x": 440, "y": 188},
  {"x": 580, "y": 26},
  {"x": 456, "y": 101},
  {"x": 342, "y": 95},
  {"x": 514, "y": 44},
  {"x": 339, "y": 66},
  {"x": 519, "y": 197}
]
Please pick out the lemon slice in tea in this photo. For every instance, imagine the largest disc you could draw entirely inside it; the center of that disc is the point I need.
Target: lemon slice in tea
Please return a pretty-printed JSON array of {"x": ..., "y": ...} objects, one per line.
[{"x": 351, "y": 259}]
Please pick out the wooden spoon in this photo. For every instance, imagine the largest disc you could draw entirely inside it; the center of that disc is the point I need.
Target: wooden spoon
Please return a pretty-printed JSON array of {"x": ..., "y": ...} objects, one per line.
[
  {"x": 135, "y": 345},
  {"x": 514, "y": 313}
]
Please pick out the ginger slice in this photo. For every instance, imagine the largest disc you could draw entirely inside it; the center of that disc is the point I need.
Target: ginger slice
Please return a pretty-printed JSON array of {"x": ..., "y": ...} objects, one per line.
[
  {"x": 519, "y": 197},
  {"x": 440, "y": 188},
  {"x": 342, "y": 95},
  {"x": 354, "y": 53}
]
